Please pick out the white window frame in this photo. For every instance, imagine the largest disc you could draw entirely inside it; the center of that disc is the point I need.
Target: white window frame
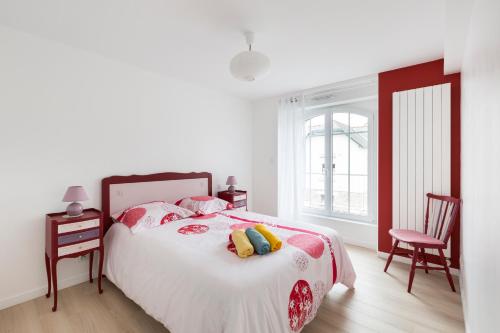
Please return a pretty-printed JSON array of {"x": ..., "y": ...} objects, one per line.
[{"x": 317, "y": 110}]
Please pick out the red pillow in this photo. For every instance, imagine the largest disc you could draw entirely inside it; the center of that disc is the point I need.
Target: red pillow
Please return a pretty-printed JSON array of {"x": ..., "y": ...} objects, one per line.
[{"x": 204, "y": 205}]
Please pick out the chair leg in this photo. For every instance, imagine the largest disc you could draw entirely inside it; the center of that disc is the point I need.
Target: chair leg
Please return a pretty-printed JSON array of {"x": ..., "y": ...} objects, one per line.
[
  {"x": 447, "y": 270},
  {"x": 413, "y": 265},
  {"x": 422, "y": 251},
  {"x": 389, "y": 259}
]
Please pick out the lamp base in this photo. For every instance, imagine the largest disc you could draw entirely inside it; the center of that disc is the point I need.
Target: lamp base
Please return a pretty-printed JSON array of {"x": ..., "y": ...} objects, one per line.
[
  {"x": 231, "y": 189},
  {"x": 74, "y": 209}
]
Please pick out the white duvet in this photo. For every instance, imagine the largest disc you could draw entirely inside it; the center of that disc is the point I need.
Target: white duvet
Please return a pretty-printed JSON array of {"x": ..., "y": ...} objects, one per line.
[{"x": 183, "y": 274}]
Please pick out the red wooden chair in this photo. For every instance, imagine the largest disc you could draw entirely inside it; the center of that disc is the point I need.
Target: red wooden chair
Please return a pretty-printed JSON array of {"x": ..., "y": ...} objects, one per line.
[{"x": 435, "y": 236}]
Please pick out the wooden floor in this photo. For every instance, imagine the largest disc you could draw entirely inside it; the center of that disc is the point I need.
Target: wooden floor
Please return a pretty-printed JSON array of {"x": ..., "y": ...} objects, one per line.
[{"x": 379, "y": 303}]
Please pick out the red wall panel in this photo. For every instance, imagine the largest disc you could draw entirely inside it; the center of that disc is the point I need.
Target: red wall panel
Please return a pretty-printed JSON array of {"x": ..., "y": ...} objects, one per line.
[{"x": 417, "y": 76}]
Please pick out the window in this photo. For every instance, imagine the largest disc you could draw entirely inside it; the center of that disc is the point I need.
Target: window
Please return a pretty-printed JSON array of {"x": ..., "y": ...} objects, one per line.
[{"x": 338, "y": 160}]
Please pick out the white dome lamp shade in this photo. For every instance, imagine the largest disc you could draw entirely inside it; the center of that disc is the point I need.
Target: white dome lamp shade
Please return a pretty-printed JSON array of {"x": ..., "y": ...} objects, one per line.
[{"x": 249, "y": 65}]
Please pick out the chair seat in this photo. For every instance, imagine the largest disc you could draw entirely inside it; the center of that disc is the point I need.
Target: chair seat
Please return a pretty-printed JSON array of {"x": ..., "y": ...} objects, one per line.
[{"x": 417, "y": 238}]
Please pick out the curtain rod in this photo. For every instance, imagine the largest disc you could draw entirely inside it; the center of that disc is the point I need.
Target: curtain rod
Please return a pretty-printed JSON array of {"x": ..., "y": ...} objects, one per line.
[{"x": 347, "y": 101}]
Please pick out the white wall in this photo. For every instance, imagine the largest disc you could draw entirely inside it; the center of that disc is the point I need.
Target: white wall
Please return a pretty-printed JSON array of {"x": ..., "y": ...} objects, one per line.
[
  {"x": 70, "y": 117},
  {"x": 457, "y": 16},
  {"x": 480, "y": 169},
  {"x": 265, "y": 156},
  {"x": 265, "y": 177}
]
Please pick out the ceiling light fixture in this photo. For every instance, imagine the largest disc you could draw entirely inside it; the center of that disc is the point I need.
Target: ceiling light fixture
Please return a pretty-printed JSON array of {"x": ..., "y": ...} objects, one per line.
[{"x": 249, "y": 65}]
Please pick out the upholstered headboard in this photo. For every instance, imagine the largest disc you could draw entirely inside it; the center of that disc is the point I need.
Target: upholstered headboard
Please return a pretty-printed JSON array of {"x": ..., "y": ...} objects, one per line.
[{"x": 121, "y": 192}]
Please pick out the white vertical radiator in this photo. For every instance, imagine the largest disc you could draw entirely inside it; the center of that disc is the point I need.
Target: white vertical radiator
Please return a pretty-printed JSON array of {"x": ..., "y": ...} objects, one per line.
[{"x": 421, "y": 148}]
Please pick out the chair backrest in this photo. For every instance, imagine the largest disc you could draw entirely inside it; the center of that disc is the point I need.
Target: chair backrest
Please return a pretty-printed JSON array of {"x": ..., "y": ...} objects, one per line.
[{"x": 440, "y": 216}]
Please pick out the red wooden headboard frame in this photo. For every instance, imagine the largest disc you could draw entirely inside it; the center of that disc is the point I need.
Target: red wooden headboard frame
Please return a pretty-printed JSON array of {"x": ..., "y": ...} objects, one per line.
[{"x": 107, "y": 182}]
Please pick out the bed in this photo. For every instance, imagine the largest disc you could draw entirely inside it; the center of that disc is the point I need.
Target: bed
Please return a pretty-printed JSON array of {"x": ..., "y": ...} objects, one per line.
[{"x": 184, "y": 274}]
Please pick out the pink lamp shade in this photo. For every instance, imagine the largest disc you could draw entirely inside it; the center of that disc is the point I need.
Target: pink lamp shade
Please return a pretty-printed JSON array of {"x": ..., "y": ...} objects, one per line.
[
  {"x": 231, "y": 181},
  {"x": 74, "y": 194}
]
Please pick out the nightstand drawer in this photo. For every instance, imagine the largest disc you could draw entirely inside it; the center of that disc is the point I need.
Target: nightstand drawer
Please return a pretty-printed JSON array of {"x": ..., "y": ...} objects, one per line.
[
  {"x": 62, "y": 251},
  {"x": 240, "y": 197},
  {"x": 78, "y": 237},
  {"x": 62, "y": 228},
  {"x": 240, "y": 203}
]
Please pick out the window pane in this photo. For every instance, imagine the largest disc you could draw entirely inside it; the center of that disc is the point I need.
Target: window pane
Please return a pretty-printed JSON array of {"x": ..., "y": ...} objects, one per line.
[
  {"x": 359, "y": 195},
  {"x": 315, "y": 163},
  {"x": 359, "y": 154},
  {"x": 359, "y": 174},
  {"x": 317, "y": 191},
  {"x": 340, "y": 194},
  {"x": 318, "y": 125},
  {"x": 307, "y": 191},
  {"x": 340, "y": 122},
  {"x": 318, "y": 154},
  {"x": 359, "y": 123},
  {"x": 340, "y": 154},
  {"x": 340, "y": 172},
  {"x": 318, "y": 171}
]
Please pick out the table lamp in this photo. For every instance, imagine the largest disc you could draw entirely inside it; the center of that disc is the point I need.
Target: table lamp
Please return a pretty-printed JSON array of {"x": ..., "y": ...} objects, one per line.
[
  {"x": 73, "y": 195},
  {"x": 231, "y": 181}
]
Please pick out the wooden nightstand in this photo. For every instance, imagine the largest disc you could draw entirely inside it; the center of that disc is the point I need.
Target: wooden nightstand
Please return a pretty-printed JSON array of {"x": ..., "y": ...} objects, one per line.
[
  {"x": 70, "y": 238},
  {"x": 238, "y": 199}
]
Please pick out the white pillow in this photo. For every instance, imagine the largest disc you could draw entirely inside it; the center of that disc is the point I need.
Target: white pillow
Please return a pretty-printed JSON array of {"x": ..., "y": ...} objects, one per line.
[
  {"x": 204, "y": 205},
  {"x": 152, "y": 214}
]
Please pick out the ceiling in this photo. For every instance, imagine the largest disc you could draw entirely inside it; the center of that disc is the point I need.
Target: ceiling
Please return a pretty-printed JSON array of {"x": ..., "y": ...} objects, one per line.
[{"x": 310, "y": 43}]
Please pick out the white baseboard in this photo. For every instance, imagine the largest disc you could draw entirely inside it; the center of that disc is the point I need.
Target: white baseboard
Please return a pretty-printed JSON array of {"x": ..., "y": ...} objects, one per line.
[
  {"x": 356, "y": 242},
  {"x": 37, "y": 292},
  {"x": 355, "y": 233},
  {"x": 385, "y": 255}
]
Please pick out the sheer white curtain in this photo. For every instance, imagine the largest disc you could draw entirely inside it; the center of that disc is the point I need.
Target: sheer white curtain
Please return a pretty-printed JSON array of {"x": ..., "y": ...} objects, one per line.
[{"x": 290, "y": 156}]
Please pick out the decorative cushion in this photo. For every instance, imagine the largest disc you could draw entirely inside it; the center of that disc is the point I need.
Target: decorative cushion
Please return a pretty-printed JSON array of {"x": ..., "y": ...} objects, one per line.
[
  {"x": 151, "y": 214},
  {"x": 204, "y": 205}
]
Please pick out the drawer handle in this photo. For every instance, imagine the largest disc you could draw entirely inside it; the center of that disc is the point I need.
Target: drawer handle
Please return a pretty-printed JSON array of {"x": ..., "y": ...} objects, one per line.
[{"x": 81, "y": 236}]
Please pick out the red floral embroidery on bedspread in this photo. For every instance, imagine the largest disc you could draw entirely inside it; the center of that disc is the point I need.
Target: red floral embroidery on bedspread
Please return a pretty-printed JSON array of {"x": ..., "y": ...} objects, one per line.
[
  {"x": 299, "y": 305},
  {"x": 169, "y": 218},
  {"x": 193, "y": 229}
]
